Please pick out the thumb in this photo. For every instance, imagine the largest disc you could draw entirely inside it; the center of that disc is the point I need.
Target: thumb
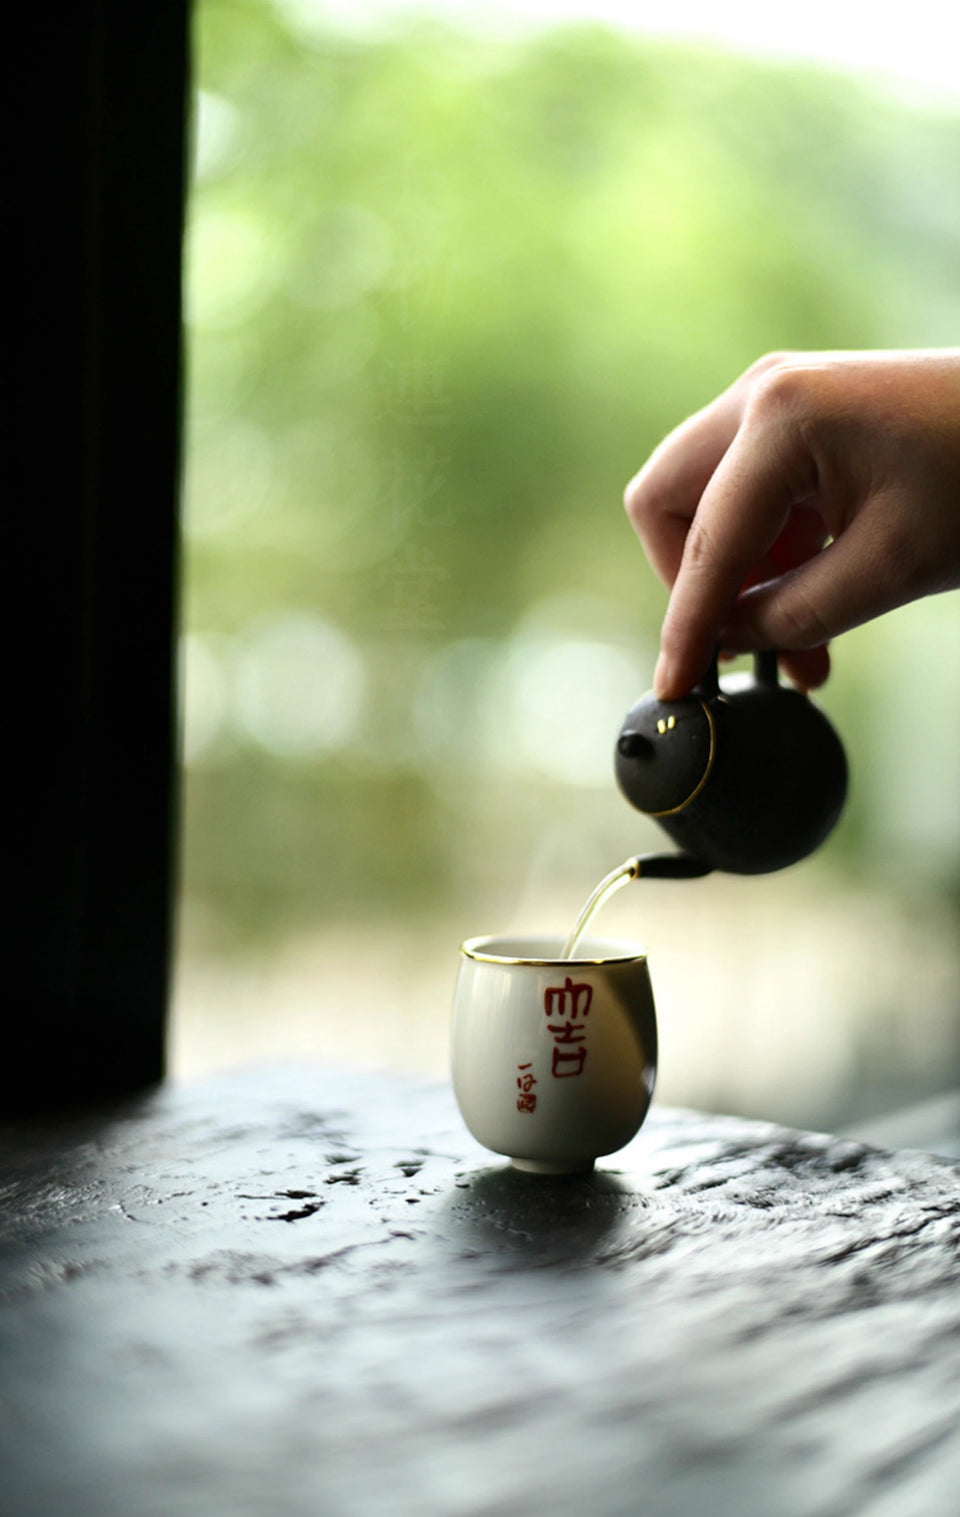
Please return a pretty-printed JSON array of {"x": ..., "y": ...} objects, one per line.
[{"x": 859, "y": 576}]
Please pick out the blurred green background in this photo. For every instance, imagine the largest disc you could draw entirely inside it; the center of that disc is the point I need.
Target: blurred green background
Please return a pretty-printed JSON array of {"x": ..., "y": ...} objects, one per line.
[{"x": 446, "y": 290}]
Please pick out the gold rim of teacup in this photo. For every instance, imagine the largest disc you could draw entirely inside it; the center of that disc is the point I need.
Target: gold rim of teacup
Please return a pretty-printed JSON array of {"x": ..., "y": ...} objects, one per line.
[{"x": 472, "y": 949}]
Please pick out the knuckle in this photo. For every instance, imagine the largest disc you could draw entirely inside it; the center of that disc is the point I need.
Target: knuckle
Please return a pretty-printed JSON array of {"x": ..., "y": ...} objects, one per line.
[
  {"x": 701, "y": 547},
  {"x": 780, "y": 395},
  {"x": 770, "y": 361},
  {"x": 634, "y": 498},
  {"x": 645, "y": 502}
]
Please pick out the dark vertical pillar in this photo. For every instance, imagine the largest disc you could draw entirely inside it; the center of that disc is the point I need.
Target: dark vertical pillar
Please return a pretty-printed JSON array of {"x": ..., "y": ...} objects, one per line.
[{"x": 97, "y": 191}]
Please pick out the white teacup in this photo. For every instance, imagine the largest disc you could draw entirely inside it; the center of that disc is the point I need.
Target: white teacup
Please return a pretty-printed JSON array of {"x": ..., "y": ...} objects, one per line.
[{"x": 553, "y": 1059}]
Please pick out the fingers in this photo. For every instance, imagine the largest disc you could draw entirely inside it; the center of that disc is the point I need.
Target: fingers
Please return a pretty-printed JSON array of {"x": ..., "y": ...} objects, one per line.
[
  {"x": 809, "y": 668},
  {"x": 734, "y": 508},
  {"x": 667, "y": 496},
  {"x": 662, "y": 498},
  {"x": 742, "y": 513},
  {"x": 859, "y": 576},
  {"x": 804, "y": 535}
]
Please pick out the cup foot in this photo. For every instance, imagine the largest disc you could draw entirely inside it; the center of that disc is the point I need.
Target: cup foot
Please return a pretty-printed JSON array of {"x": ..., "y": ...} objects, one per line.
[{"x": 553, "y": 1166}]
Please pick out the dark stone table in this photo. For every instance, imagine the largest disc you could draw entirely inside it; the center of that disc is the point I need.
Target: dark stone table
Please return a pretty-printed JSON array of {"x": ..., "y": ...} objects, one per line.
[{"x": 307, "y": 1293}]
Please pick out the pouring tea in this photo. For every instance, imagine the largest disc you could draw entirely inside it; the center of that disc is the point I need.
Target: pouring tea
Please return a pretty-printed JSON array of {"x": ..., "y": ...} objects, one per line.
[{"x": 554, "y": 1040}]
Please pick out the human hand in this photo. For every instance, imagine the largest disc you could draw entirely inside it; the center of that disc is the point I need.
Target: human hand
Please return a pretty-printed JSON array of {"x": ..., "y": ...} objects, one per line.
[{"x": 819, "y": 491}]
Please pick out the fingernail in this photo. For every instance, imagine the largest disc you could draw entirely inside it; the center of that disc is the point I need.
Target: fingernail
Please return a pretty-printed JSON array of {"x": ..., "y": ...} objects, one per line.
[{"x": 661, "y": 677}]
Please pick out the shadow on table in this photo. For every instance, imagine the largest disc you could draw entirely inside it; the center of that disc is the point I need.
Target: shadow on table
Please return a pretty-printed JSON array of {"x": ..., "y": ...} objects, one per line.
[{"x": 520, "y": 1221}]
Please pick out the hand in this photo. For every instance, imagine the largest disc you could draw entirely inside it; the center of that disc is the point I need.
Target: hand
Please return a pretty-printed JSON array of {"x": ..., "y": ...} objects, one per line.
[{"x": 818, "y": 491}]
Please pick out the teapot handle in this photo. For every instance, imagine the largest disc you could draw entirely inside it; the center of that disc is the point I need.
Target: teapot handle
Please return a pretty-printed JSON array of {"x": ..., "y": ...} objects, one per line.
[
  {"x": 709, "y": 685},
  {"x": 765, "y": 672},
  {"x": 765, "y": 667}
]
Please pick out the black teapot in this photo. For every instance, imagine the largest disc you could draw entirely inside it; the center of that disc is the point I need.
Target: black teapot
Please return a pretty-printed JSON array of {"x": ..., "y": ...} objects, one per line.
[{"x": 747, "y": 777}]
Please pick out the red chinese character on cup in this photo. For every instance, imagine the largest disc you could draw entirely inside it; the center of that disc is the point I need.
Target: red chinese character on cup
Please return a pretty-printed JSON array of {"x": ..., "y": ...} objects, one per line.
[
  {"x": 571, "y": 1003},
  {"x": 526, "y": 1101},
  {"x": 567, "y": 1000},
  {"x": 568, "y": 1032},
  {"x": 568, "y": 1062}
]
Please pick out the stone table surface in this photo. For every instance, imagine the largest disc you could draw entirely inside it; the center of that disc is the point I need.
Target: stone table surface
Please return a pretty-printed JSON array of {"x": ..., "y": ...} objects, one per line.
[{"x": 308, "y": 1293}]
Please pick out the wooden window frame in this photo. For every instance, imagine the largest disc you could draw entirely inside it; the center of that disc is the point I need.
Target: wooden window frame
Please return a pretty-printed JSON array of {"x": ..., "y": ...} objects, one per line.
[{"x": 99, "y": 110}]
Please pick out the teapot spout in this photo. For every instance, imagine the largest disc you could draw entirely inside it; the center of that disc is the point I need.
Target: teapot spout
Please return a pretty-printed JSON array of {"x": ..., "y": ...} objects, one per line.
[{"x": 670, "y": 866}]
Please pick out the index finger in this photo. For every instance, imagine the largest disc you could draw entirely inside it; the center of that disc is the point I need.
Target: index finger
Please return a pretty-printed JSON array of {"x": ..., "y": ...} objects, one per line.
[
  {"x": 744, "y": 507},
  {"x": 661, "y": 500}
]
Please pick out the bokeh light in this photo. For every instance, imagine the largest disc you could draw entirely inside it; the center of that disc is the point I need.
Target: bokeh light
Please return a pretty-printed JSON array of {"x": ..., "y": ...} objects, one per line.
[{"x": 299, "y": 685}]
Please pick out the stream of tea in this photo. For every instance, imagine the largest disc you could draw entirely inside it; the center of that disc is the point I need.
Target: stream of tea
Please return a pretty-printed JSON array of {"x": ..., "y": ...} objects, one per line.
[
  {"x": 654, "y": 866},
  {"x": 608, "y": 886}
]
